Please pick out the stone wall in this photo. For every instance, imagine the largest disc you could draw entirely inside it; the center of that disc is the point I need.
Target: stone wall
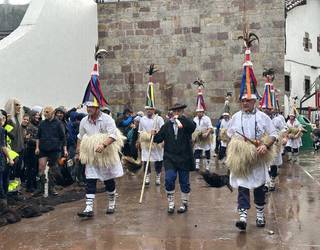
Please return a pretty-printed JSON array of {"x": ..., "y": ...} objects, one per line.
[{"x": 186, "y": 39}]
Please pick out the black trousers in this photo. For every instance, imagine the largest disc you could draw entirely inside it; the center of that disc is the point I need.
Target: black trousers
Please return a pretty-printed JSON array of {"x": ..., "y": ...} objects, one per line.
[
  {"x": 218, "y": 143},
  {"x": 222, "y": 152},
  {"x": 91, "y": 187},
  {"x": 157, "y": 166},
  {"x": 244, "y": 197},
  {"x": 4, "y": 182},
  {"x": 31, "y": 162},
  {"x": 292, "y": 150},
  {"x": 17, "y": 170},
  {"x": 273, "y": 171},
  {"x": 198, "y": 153}
]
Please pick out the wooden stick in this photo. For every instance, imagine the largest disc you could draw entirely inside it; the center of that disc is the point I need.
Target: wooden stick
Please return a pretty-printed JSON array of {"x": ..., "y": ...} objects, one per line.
[{"x": 148, "y": 162}]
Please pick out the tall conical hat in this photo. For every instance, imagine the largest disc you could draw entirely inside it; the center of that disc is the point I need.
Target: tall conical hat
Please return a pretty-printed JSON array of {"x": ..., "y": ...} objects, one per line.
[
  {"x": 201, "y": 106},
  {"x": 248, "y": 89},
  {"x": 93, "y": 95},
  {"x": 150, "y": 97},
  {"x": 268, "y": 100}
]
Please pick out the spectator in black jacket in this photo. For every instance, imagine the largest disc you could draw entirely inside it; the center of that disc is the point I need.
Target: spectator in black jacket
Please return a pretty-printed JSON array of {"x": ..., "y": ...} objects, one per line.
[
  {"x": 30, "y": 158},
  {"x": 60, "y": 114},
  {"x": 50, "y": 139}
]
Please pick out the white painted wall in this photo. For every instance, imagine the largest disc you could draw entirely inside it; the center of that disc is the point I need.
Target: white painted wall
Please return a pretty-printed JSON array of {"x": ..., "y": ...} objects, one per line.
[
  {"x": 305, "y": 18},
  {"x": 48, "y": 59}
]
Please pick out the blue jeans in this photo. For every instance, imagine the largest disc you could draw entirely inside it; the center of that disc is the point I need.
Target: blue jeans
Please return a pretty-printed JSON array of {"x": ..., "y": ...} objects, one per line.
[{"x": 171, "y": 176}]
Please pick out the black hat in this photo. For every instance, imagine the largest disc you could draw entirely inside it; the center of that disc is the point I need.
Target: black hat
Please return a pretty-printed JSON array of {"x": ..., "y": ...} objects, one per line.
[
  {"x": 60, "y": 109},
  {"x": 127, "y": 110},
  {"x": 177, "y": 106}
]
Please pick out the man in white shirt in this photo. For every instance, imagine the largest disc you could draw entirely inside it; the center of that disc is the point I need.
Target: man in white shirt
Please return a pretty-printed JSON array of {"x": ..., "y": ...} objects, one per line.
[
  {"x": 281, "y": 127},
  {"x": 203, "y": 143},
  {"x": 225, "y": 121},
  {"x": 100, "y": 143},
  {"x": 98, "y": 122},
  {"x": 294, "y": 137},
  {"x": 148, "y": 123},
  {"x": 252, "y": 124}
]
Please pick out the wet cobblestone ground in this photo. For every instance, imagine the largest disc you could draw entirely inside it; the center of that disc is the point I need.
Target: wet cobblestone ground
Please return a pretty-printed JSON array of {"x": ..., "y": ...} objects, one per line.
[{"x": 292, "y": 213}]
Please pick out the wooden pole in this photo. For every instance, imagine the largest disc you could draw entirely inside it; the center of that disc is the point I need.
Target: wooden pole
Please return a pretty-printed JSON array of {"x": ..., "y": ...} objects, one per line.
[{"x": 148, "y": 162}]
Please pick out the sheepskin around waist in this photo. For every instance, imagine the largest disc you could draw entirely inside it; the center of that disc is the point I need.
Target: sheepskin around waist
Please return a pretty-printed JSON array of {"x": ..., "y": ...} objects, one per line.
[
  {"x": 145, "y": 138},
  {"x": 242, "y": 156},
  {"x": 280, "y": 141},
  {"x": 223, "y": 136},
  {"x": 108, "y": 157},
  {"x": 198, "y": 138},
  {"x": 294, "y": 133}
]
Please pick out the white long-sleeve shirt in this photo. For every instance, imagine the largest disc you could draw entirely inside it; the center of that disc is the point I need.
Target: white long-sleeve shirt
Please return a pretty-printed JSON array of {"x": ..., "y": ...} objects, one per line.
[
  {"x": 253, "y": 126},
  {"x": 104, "y": 124},
  {"x": 146, "y": 125},
  {"x": 203, "y": 124}
]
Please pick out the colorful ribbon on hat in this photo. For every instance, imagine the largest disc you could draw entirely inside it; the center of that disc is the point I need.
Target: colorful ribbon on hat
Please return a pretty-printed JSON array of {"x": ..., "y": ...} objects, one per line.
[
  {"x": 93, "y": 92},
  {"x": 249, "y": 81},
  {"x": 269, "y": 99},
  {"x": 150, "y": 95},
  {"x": 200, "y": 100}
]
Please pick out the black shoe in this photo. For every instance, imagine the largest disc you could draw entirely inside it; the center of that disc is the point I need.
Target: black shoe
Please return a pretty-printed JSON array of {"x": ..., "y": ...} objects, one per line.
[
  {"x": 170, "y": 210},
  {"x": 260, "y": 223},
  {"x": 37, "y": 193},
  {"x": 53, "y": 191},
  {"x": 85, "y": 214},
  {"x": 182, "y": 209},
  {"x": 241, "y": 225},
  {"x": 110, "y": 211},
  {"x": 265, "y": 189}
]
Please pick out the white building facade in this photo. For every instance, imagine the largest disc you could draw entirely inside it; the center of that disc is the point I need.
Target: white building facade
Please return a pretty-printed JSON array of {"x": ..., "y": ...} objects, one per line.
[{"x": 302, "y": 58}]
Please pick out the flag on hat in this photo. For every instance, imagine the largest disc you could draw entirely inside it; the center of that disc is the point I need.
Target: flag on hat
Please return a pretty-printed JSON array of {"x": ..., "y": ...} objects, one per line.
[
  {"x": 150, "y": 103},
  {"x": 200, "y": 104},
  {"x": 93, "y": 95},
  {"x": 248, "y": 87}
]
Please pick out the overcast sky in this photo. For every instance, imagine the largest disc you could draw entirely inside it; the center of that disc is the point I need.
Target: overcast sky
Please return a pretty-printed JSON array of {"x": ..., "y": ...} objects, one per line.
[{"x": 15, "y": 1}]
